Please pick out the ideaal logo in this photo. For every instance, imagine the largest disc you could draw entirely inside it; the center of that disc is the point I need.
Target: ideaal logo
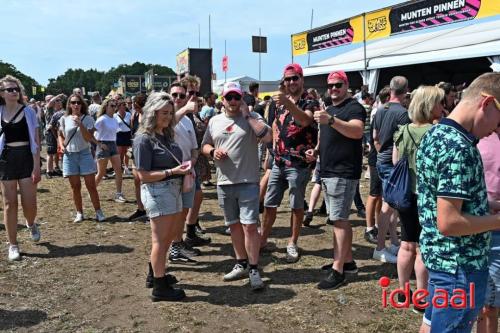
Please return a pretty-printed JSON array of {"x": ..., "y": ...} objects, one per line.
[
  {"x": 377, "y": 24},
  {"x": 441, "y": 298}
]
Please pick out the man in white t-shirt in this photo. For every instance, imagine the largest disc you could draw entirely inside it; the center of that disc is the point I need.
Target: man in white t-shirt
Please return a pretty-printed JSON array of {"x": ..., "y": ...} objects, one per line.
[{"x": 96, "y": 104}]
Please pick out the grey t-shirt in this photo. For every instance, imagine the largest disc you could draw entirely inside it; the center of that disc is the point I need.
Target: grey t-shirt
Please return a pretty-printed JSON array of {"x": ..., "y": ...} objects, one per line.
[
  {"x": 239, "y": 140},
  {"x": 386, "y": 122},
  {"x": 68, "y": 127},
  {"x": 152, "y": 153}
]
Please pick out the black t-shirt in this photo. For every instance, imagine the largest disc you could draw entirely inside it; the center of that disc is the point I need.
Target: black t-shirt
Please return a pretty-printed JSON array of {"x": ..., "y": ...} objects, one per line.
[
  {"x": 341, "y": 156},
  {"x": 386, "y": 123}
]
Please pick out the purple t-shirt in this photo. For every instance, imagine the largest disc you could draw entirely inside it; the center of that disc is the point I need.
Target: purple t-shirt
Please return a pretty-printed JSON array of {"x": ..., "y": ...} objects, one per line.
[{"x": 489, "y": 148}]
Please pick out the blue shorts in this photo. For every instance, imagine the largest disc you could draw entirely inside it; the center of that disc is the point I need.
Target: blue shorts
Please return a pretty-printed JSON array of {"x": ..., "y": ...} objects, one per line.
[
  {"x": 339, "y": 194},
  {"x": 188, "y": 198},
  {"x": 384, "y": 170},
  {"x": 162, "y": 198},
  {"x": 111, "y": 150},
  {"x": 493, "y": 288},
  {"x": 283, "y": 178},
  {"x": 448, "y": 319},
  {"x": 239, "y": 202},
  {"x": 79, "y": 163}
]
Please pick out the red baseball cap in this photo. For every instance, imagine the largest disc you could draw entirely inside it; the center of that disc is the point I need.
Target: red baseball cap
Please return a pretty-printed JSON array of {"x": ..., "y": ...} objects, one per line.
[
  {"x": 294, "y": 67},
  {"x": 341, "y": 75}
]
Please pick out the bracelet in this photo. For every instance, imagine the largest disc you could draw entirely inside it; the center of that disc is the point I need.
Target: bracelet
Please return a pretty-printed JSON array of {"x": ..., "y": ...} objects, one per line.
[
  {"x": 263, "y": 133},
  {"x": 212, "y": 152}
]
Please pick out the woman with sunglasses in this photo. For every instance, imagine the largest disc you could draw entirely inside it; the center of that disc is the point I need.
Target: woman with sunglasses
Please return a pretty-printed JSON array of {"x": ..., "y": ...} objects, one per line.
[
  {"x": 157, "y": 159},
  {"x": 19, "y": 160},
  {"x": 124, "y": 136},
  {"x": 75, "y": 134},
  {"x": 106, "y": 127}
]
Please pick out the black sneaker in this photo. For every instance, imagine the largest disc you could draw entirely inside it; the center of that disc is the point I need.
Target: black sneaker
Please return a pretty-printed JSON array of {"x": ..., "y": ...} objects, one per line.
[
  {"x": 402, "y": 298},
  {"x": 334, "y": 280},
  {"x": 199, "y": 229},
  {"x": 371, "y": 236},
  {"x": 361, "y": 213},
  {"x": 418, "y": 308},
  {"x": 188, "y": 250},
  {"x": 180, "y": 258},
  {"x": 163, "y": 291},
  {"x": 329, "y": 222},
  {"x": 197, "y": 240},
  {"x": 57, "y": 172},
  {"x": 170, "y": 280},
  {"x": 349, "y": 267},
  {"x": 308, "y": 217},
  {"x": 137, "y": 215}
]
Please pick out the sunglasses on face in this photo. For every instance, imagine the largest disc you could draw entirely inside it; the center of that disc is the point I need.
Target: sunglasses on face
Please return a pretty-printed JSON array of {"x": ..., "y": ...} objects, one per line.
[
  {"x": 112, "y": 106},
  {"x": 192, "y": 92},
  {"x": 229, "y": 98},
  {"x": 337, "y": 85},
  {"x": 179, "y": 96},
  {"x": 497, "y": 103},
  {"x": 75, "y": 103},
  {"x": 57, "y": 101},
  {"x": 11, "y": 90},
  {"x": 294, "y": 78}
]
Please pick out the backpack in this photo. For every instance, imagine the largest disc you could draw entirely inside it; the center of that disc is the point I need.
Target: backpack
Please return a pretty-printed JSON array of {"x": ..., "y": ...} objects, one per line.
[{"x": 397, "y": 189}]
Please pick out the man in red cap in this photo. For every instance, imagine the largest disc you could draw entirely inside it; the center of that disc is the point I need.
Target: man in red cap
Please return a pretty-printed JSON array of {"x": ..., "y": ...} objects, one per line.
[
  {"x": 341, "y": 155},
  {"x": 293, "y": 135}
]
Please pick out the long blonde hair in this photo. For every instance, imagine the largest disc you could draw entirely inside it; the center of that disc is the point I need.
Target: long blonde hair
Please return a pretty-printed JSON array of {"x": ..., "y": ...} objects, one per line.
[
  {"x": 12, "y": 79},
  {"x": 155, "y": 102}
]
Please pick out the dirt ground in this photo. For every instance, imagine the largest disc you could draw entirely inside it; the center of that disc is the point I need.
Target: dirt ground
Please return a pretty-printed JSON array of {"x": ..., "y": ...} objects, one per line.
[{"x": 90, "y": 277}]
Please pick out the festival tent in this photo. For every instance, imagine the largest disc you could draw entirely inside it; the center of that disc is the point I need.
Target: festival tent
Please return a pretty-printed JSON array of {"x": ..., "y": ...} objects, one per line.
[{"x": 456, "y": 55}]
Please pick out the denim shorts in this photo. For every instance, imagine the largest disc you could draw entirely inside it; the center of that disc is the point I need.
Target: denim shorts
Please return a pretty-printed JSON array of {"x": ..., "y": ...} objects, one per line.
[
  {"x": 448, "y": 319},
  {"x": 339, "y": 194},
  {"x": 162, "y": 198},
  {"x": 282, "y": 178},
  {"x": 79, "y": 163},
  {"x": 111, "y": 150},
  {"x": 188, "y": 198},
  {"x": 384, "y": 170},
  {"x": 493, "y": 289},
  {"x": 239, "y": 202}
]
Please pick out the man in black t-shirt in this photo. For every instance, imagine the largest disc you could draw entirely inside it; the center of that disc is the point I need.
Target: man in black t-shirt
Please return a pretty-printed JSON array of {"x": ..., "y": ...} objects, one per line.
[{"x": 341, "y": 128}]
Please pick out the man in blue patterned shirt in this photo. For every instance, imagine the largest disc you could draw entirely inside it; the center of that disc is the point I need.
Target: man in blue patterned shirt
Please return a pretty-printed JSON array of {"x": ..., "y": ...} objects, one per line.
[{"x": 453, "y": 205}]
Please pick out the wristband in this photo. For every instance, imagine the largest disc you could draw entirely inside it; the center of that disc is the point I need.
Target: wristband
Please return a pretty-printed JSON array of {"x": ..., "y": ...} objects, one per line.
[
  {"x": 212, "y": 152},
  {"x": 331, "y": 121},
  {"x": 263, "y": 133}
]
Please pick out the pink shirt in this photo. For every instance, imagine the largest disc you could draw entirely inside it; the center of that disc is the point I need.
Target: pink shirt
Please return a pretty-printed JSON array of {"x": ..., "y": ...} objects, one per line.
[{"x": 489, "y": 148}]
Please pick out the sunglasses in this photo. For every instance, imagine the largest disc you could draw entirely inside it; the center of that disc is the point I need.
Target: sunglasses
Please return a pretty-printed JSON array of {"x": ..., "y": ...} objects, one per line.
[
  {"x": 57, "y": 101},
  {"x": 497, "y": 103},
  {"x": 294, "y": 78},
  {"x": 11, "y": 90},
  {"x": 180, "y": 96},
  {"x": 337, "y": 85},
  {"x": 75, "y": 103},
  {"x": 192, "y": 92},
  {"x": 229, "y": 98},
  {"x": 112, "y": 105}
]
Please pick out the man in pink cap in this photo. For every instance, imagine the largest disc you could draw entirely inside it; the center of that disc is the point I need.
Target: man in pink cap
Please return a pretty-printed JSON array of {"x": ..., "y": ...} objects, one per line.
[
  {"x": 341, "y": 155},
  {"x": 231, "y": 140},
  {"x": 293, "y": 135}
]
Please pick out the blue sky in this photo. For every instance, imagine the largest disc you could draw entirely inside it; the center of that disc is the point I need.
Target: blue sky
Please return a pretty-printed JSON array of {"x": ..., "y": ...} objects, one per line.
[{"x": 45, "y": 38}]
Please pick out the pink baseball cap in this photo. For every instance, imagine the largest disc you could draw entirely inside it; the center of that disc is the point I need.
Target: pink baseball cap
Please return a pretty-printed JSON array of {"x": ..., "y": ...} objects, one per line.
[
  {"x": 294, "y": 67},
  {"x": 231, "y": 87},
  {"x": 341, "y": 75}
]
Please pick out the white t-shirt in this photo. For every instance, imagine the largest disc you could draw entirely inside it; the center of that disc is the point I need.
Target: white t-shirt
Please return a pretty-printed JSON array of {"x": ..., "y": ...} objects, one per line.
[
  {"x": 68, "y": 126},
  {"x": 122, "y": 125},
  {"x": 93, "y": 109},
  {"x": 185, "y": 137},
  {"x": 106, "y": 128}
]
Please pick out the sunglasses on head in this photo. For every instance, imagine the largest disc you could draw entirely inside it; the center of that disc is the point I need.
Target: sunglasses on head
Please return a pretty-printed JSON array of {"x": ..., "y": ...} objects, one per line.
[
  {"x": 178, "y": 95},
  {"x": 337, "y": 85},
  {"x": 497, "y": 103},
  {"x": 75, "y": 103},
  {"x": 11, "y": 90},
  {"x": 294, "y": 78},
  {"x": 192, "y": 92},
  {"x": 229, "y": 98}
]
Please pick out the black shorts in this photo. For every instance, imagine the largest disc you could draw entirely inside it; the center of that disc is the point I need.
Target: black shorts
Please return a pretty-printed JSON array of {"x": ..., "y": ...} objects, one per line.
[
  {"x": 410, "y": 226},
  {"x": 375, "y": 182},
  {"x": 124, "y": 139},
  {"x": 16, "y": 163},
  {"x": 51, "y": 141}
]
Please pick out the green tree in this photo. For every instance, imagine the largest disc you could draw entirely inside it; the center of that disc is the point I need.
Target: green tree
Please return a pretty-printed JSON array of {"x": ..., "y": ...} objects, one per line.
[{"x": 27, "y": 81}]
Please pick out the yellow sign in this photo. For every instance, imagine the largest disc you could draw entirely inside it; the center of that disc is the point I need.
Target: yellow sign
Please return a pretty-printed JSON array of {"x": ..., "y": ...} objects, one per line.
[
  {"x": 377, "y": 24},
  {"x": 299, "y": 44},
  {"x": 33, "y": 90}
]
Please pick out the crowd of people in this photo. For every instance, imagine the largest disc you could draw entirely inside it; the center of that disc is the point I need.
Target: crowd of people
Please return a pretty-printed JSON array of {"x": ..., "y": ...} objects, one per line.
[{"x": 445, "y": 138}]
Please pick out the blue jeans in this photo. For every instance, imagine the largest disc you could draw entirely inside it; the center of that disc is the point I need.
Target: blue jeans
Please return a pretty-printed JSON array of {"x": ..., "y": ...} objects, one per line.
[{"x": 449, "y": 319}]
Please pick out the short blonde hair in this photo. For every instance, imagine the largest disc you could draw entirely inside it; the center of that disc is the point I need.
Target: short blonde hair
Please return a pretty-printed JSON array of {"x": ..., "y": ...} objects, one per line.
[
  {"x": 12, "y": 79},
  {"x": 423, "y": 100},
  {"x": 488, "y": 83},
  {"x": 155, "y": 102}
]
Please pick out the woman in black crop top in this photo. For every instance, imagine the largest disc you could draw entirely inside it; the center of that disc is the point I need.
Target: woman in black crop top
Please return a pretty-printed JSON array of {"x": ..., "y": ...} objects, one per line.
[{"x": 19, "y": 160}]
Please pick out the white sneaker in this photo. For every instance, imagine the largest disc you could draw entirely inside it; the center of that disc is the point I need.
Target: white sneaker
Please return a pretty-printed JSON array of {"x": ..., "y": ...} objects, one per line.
[
  {"x": 385, "y": 256},
  {"x": 35, "y": 232},
  {"x": 292, "y": 253},
  {"x": 393, "y": 249},
  {"x": 99, "y": 216},
  {"x": 127, "y": 172},
  {"x": 237, "y": 273},
  {"x": 119, "y": 198},
  {"x": 78, "y": 217},
  {"x": 14, "y": 253},
  {"x": 256, "y": 282}
]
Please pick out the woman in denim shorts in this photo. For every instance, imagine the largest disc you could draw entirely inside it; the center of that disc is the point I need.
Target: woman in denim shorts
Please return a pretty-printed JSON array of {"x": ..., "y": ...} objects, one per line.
[
  {"x": 75, "y": 134},
  {"x": 106, "y": 127},
  {"x": 19, "y": 160},
  {"x": 155, "y": 156}
]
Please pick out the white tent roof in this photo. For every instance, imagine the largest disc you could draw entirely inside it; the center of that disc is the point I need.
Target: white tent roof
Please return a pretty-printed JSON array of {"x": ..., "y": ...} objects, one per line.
[{"x": 471, "y": 41}]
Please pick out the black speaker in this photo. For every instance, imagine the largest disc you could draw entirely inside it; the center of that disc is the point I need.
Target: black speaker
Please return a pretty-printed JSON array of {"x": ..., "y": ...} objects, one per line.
[{"x": 200, "y": 64}]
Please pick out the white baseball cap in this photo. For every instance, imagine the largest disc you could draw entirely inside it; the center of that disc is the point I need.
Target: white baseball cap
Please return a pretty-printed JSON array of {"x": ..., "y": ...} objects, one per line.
[{"x": 231, "y": 87}]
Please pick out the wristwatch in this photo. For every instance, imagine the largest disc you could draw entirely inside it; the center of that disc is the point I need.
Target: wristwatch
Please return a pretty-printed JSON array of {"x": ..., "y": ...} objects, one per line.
[{"x": 331, "y": 121}]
